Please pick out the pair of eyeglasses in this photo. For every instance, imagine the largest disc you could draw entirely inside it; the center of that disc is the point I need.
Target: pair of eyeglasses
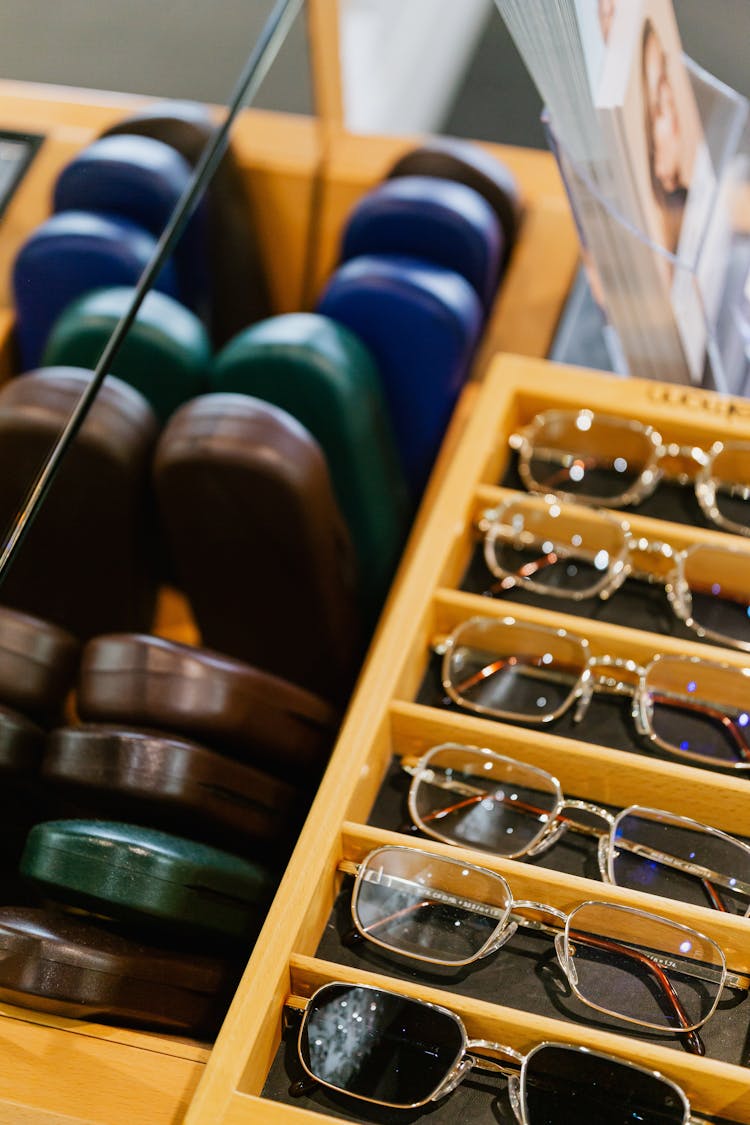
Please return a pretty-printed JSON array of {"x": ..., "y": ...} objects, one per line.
[
  {"x": 623, "y": 962},
  {"x": 538, "y": 545},
  {"x": 601, "y": 459},
  {"x": 474, "y": 798},
  {"x": 697, "y": 710},
  {"x": 397, "y": 1052}
]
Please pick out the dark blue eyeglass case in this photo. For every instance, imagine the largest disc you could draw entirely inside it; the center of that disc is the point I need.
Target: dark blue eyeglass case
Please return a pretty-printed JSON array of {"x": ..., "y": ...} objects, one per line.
[
  {"x": 465, "y": 162},
  {"x": 140, "y": 179},
  {"x": 69, "y": 255},
  {"x": 421, "y": 322},
  {"x": 437, "y": 220}
]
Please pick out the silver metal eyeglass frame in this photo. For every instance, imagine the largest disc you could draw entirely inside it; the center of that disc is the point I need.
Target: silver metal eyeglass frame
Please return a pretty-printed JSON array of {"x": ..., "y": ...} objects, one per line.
[
  {"x": 554, "y": 823},
  {"x": 494, "y": 525},
  {"x": 515, "y": 1070},
  {"x": 562, "y": 930},
  {"x": 653, "y": 471},
  {"x": 598, "y": 675}
]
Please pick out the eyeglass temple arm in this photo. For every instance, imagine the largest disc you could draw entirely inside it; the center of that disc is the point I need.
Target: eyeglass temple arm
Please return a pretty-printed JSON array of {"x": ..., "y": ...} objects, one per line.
[{"x": 705, "y": 874}]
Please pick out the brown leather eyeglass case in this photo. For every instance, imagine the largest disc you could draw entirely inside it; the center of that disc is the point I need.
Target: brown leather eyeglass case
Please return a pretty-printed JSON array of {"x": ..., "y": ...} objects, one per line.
[
  {"x": 258, "y": 543},
  {"x": 87, "y": 562},
  {"x": 146, "y": 681},
  {"x": 38, "y": 664}
]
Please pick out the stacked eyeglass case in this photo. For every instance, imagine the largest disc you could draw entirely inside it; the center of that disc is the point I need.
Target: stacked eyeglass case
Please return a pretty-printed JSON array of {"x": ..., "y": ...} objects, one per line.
[{"x": 624, "y": 714}]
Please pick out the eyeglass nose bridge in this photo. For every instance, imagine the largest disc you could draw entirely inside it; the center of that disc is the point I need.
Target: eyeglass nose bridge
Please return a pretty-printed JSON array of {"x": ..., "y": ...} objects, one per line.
[{"x": 598, "y": 678}]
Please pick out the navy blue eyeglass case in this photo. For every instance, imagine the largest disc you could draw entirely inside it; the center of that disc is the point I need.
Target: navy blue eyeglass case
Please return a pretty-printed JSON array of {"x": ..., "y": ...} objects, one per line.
[
  {"x": 421, "y": 322},
  {"x": 140, "y": 179},
  {"x": 69, "y": 255},
  {"x": 468, "y": 163},
  {"x": 437, "y": 220}
]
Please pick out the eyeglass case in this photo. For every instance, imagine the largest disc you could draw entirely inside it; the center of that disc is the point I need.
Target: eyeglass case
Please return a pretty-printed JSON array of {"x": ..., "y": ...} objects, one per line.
[
  {"x": 165, "y": 355},
  {"x": 207, "y": 696},
  {"x": 167, "y": 782},
  {"x": 258, "y": 543},
  {"x": 421, "y": 322},
  {"x": 38, "y": 664},
  {"x": 436, "y": 220},
  {"x": 323, "y": 375},
  {"x": 95, "y": 521},
  {"x": 21, "y": 745},
  {"x": 145, "y": 876},
  {"x": 451, "y": 159},
  {"x": 142, "y": 180},
  {"x": 76, "y": 968},
  {"x": 238, "y": 286},
  {"x": 69, "y": 255}
]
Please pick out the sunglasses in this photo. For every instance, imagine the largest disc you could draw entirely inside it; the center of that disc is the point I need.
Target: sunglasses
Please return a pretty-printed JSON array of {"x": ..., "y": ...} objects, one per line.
[
  {"x": 623, "y": 962},
  {"x": 603, "y": 460},
  {"x": 537, "y": 545},
  {"x": 474, "y": 798},
  {"x": 394, "y": 1051},
  {"x": 509, "y": 669}
]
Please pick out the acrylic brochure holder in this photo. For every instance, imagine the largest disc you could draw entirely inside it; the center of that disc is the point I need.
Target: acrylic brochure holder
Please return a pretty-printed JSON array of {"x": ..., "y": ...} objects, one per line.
[{"x": 701, "y": 333}]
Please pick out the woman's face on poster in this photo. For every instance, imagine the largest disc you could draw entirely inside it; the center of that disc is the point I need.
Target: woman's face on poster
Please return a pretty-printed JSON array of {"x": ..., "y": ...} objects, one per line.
[{"x": 662, "y": 115}]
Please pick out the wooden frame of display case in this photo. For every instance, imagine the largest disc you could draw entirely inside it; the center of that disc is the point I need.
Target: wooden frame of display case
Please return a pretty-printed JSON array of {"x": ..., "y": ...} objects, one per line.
[{"x": 384, "y": 721}]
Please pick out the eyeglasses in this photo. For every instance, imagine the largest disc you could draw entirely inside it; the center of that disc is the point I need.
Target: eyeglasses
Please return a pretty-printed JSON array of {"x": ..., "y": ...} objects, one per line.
[
  {"x": 600, "y": 459},
  {"x": 508, "y": 669},
  {"x": 538, "y": 545},
  {"x": 621, "y": 961},
  {"x": 474, "y": 798},
  {"x": 394, "y": 1051}
]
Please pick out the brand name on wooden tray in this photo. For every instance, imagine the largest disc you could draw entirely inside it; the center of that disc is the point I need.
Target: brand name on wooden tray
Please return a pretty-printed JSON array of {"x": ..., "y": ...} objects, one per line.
[{"x": 707, "y": 402}]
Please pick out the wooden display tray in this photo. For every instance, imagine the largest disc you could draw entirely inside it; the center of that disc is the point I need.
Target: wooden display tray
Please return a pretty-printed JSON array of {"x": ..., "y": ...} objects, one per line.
[
  {"x": 301, "y": 178},
  {"x": 384, "y": 721}
]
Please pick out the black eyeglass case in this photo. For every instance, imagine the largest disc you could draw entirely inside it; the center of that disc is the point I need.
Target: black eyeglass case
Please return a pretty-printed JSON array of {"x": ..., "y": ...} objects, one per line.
[
  {"x": 96, "y": 523},
  {"x": 259, "y": 545},
  {"x": 204, "y": 695},
  {"x": 76, "y": 968},
  {"x": 162, "y": 781},
  {"x": 148, "y": 878},
  {"x": 238, "y": 286}
]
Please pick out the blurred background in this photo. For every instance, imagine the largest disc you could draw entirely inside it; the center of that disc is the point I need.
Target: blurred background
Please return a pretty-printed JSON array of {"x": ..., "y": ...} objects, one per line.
[{"x": 408, "y": 65}]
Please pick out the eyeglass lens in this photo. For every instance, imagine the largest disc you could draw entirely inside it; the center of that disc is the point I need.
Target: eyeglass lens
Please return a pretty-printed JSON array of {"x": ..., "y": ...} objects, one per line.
[
  {"x": 544, "y": 546},
  {"x": 561, "y": 1083},
  {"x": 730, "y": 474},
  {"x": 718, "y": 582},
  {"x": 508, "y": 668},
  {"x": 483, "y": 801},
  {"x": 647, "y": 848},
  {"x": 377, "y": 1045},
  {"x": 698, "y": 710},
  {"x": 583, "y": 455}
]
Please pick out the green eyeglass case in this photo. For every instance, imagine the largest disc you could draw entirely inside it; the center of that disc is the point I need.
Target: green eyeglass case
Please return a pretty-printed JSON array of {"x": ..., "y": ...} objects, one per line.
[
  {"x": 322, "y": 374},
  {"x": 162, "y": 781},
  {"x": 71, "y": 967},
  {"x": 166, "y": 353},
  {"x": 38, "y": 664},
  {"x": 88, "y": 561},
  {"x": 146, "y": 681},
  {"x": 144, "y": 876},
  {"x": 258, "y": 542}
]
